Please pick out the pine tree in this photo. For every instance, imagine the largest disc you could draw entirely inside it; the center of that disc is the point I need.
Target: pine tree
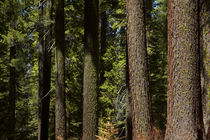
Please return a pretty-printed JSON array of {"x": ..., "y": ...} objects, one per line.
[
  {"x": 91, "y": 66},
  {"x": 12, "y": 76},
  {"x": 44, "y": 74},
  {"x": 138, "y": 71},
  {"x": 60, "y": 114},
  {"x": 184, "y": 114}
]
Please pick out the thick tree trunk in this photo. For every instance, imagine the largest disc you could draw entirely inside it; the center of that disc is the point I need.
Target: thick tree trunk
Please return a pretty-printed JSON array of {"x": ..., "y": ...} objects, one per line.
[
  {"x": 12, "y": 95},
  {"x": 184, "y": 114},
  {"x": 60, "y": 114},
  {"x": 205, "y": 62},
  {"x": 91, "y": 64},
  {"x": 138, "y": 71}
]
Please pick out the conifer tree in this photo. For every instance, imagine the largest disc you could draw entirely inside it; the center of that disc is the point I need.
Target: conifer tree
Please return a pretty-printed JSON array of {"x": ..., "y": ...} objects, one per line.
[
  {"x": 44, "y": 74},
  {"x": 184, "y": 113},
  {"x": 138, "y": 70},
  {"x": 60, "y": 114},
  {"x": 12, "y": 74},
  {"x": 91, "y": 70}
]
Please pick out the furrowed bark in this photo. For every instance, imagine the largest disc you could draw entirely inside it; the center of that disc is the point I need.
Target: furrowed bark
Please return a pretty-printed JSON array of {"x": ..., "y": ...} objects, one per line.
[
  {"x": 184, "y": 114},
  {"x": 138, "y": 71}
]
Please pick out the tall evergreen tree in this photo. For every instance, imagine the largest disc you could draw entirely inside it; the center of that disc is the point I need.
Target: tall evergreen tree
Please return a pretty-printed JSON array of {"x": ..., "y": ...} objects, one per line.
[
  {"x": 60, "y": 114},
  {"x": 44, "y": 74},
  {"x": 184, "y": 114},
  {"x": 91, "y": 66},
  {"x": 12, "y": 74},
  {"x": 138, "y": 71}
]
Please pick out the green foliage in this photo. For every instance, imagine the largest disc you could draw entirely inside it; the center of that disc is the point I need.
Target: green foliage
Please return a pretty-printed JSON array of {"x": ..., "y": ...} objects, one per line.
[
  {"x": 157, "y": 52},
  {"x": 19, "y": 25},
  {"x": 74, "y": 66}
]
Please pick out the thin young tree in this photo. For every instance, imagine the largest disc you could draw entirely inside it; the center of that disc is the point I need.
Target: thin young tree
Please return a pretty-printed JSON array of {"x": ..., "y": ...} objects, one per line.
[
  {"x": 128, "y": 125},
  {"x": 138, "y": 71},
  {"x": 44, "y": 74},
  {"x": 91, "y": 70},
  {"x": 60, "y": 114},
  {"x": 12, "y": 75},
  {"x": 184, "y": 113},
  {"x": 12, "y": 95}
]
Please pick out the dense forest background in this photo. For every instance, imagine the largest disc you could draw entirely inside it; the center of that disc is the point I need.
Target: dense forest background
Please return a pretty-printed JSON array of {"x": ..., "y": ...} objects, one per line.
[{"x": 29, "y": 35}]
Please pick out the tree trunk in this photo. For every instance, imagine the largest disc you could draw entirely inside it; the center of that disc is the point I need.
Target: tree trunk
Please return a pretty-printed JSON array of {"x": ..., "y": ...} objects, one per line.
[
  {"x": 60, "y": 114},
  {"x": 103, "y": 31},
  {"x": 138, "y": 71},
  {"x": 205, "y": 62},
  {"x": 12, "y": 76},
  {"x": 12, "y": 95},
  {"x": 184, "y": 113},
  {"x": 91, "y": 64},
  {"x": 128, "y": 126},
  {"x": 44, "y": 78}
]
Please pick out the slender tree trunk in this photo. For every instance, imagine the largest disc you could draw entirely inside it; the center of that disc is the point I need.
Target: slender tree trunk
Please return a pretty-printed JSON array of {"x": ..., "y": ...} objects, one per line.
[
  {"x": 138, "y": 71},
  {"x": 128, "y": 127},
  {"x": 205, "y": 62},
  {"x": 60, "y": 114},
  {"x": 184, "y": 114},
  {"x": 12, "y": 95},
  {"x": 44, "y": 82},
  {"x": 12, "y": 77},
  {"x": 41, "y": 75},
  {"x": 103, "y": 31},
  {"x": 91, "y": 64},
  {"x": 44, "y": 78}
]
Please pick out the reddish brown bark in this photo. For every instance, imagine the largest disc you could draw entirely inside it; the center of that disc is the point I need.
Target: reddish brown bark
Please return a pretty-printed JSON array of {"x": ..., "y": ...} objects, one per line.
[
  {"x": 138, "y": 71},
  {"x": 184, "y": 114}
]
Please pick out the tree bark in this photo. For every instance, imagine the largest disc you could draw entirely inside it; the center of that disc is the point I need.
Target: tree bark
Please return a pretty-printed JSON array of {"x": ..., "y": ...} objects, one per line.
[
  {"x": 91, "y": 65},
  {"x": 205, "y": 62},
  {"x": 184, "y": 113},
  {"x": 44, "y": 76},
  {"x": 12, "y": 76},
  {"x": 138, "y": 71},
  {"x": 60, "y": 114}
]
